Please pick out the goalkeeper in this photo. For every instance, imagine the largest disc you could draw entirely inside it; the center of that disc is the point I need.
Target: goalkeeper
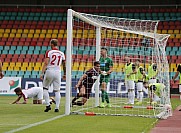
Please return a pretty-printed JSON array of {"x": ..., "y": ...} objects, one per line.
[
  {"x": 85, "y": 84},
  {"x": 106, "y": 64}
]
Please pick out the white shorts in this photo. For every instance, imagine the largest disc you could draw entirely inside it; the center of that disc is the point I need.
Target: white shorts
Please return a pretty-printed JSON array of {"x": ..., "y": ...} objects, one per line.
[
  {"x": 39, "y": 95},
  {"x": 179, "y": 88},
  {"x": 152, "y": 81},
  {"x": 52, "y": 77},
  {"x": 130, "y": 84},
  {"x": 139, "y": 86}
]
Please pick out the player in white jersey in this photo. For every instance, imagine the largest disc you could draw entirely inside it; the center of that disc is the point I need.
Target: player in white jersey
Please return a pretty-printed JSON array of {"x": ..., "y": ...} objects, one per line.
[
  {"x": 51, "y": 73},
  {"x": 35, "y": 92}
]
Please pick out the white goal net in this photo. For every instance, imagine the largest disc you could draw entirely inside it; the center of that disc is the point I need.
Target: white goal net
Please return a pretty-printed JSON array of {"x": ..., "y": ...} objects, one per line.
[{"x": 125, "y": 39}]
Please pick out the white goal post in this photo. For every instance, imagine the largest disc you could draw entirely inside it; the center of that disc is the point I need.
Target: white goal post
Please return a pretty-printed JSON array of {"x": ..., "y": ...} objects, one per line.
[{"x": 137, "y": 39}]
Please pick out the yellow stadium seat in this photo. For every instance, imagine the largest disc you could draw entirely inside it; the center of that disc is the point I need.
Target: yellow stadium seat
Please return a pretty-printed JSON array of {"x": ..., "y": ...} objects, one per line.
[
  {"x": 178, "y": 36},
  {"x": 1, "y": 34},
  {"x": 31, "y": 64},
  {"x": 29, "y": 68},
  {"x": 173, "y": 67},
  {"x": 12, "y": 35},
  {"x": 65, "y": 35},
  {"x": 164, "y": 31},
  {"x": 7, "y": 30},
  {"x": 24, "y": 35},
  {"x": 1, "y": 30},
  {"x": 12, "y": 64},
  {"x": 55, "y": 31},
  {"x": 172, "y": 35},
  {"x": 50, "y": 31},
  {"x": 37, "y": 31},
  {"x": 13, "y": 31},
  {"x": 43, "y": 31},
  {"x": 48, "y": 35},
  {"x": 79, "y": 36},
  {"x": 170, "y": 31},
  {"x": 42, "y": 35},
  {"x": 82, "y": 64},
  {"x": 20, "y": 31},
  {"x": 30, "y": 35},
  {"x": 32, "y": 31},
  {"x": 79, "y": 31},
  {"x": 25, "y": 64},
  {"x": 159, "y": 31},
  {"x": 54, "y": 35},
  {"x": 91, "y": 36},
  {"x": 25, "y": 31},
  {"x": 60, "y": 35},
  {"x": 18, "y": 35},
  {"x": 84, "y": 36},
  {"x": 176, "y": 31},
  {"x": 36, "y": 35},
  {"x": 4, "y": 68},
  {"x": 6, "y": 35},
  {"x": 38, "y": 64},
  {"x": 5, "y": 64},
  {"x": 10, "y": 68},
  {"x": 23, "y": 68},
  {"x": 18, "y": 64},
  {"x": 91, "y": 31},
  {"x": 81, "y": 68},
  {"x": 61, "y": 31},
  {"x": 36, "y": 68},
  {"x": 16, "y": 68}
]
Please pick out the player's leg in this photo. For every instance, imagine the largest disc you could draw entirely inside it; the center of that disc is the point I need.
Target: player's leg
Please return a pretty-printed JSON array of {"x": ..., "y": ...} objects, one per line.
[
  {"x": 46, "y": 83},
  {"x": 80, "y": 94},
  {"x": 140, "y": 92},
  {"x": 85, "y": 97},
  {"x": 39, "y": 95},
  {"x": 131, "y": 85},
  {"x": 56, "y": 88}
]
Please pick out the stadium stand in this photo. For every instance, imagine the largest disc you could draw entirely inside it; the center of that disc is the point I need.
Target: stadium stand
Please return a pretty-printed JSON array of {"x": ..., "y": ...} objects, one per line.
[{"x": 25, "y": 34}]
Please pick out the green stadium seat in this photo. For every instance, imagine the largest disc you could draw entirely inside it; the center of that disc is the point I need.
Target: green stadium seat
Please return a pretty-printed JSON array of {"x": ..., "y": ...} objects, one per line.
[
  {"x": 11, "y": 52},
  {"x": 19, "y": 48},
  {"x": 25, "y": 47},
  {"x": 18, "y": 52},
  {"x": 24, "y": 18},
  {"x": 13, "y": 48}
]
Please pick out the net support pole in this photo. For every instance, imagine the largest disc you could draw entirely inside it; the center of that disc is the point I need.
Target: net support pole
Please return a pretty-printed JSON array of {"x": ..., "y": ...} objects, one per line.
[
  {"x": 68, "y": 61},
  {"x": 98, "y": 41}
]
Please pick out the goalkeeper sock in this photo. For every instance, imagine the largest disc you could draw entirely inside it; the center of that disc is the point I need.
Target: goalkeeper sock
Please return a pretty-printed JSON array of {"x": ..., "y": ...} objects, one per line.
[
  {"x": 79, "y": 103},
  {"x": 106, "y": 97},
  {"x": 103, "y": 95}
]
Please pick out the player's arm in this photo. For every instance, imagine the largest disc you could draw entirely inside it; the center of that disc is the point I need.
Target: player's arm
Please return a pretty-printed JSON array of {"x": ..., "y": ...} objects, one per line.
[
  {"x": 44, "y": 67},
  {"x": 110, "y": 67},
  {"x": 17, "y": 100},
  {"x": 80, "y": 80}
]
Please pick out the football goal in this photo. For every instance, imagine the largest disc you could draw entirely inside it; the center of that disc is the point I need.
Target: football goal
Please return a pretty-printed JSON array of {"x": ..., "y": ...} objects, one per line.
[{"x": 123, "y": 38}]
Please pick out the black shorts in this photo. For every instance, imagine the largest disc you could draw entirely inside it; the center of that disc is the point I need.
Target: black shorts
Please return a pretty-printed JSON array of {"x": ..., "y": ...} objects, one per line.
[{"x": 88, "y": 89}]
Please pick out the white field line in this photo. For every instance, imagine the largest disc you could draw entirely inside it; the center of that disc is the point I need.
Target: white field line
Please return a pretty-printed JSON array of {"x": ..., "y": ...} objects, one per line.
[{"x": 35, "y": 124}]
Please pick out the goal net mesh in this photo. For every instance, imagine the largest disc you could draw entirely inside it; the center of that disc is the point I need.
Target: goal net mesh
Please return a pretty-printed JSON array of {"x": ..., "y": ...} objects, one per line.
[{"x": 136, "y": 39}]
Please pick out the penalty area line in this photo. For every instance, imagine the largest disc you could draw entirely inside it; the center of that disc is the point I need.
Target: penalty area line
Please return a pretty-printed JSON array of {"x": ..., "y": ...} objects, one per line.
[{"x": 35, "y": 124}]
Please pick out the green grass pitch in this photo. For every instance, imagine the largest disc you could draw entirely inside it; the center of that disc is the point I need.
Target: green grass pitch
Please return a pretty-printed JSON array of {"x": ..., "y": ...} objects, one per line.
[{"x": 14, "y": 116}]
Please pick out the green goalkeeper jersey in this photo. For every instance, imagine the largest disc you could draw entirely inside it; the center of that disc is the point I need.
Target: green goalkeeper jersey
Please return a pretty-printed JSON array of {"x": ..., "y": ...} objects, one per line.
[{"x": 105, "y": 63}]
